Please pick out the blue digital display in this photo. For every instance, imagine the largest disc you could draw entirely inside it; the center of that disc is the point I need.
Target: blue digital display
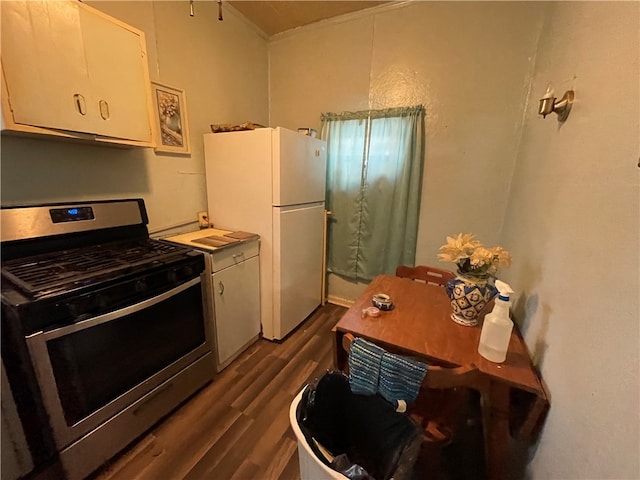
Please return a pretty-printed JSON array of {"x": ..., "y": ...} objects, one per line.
[{"x": 73, "y": 214}]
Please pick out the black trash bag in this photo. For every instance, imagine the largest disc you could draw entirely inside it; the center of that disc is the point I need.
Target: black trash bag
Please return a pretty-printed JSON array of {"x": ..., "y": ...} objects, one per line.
[
  {"x": 351, "y": 470},
  {"x": 366, "y": 429}
]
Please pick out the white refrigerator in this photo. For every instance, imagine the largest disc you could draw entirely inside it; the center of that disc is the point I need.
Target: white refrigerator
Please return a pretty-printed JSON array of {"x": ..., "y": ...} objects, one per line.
[{"x": 271, "y": 181}]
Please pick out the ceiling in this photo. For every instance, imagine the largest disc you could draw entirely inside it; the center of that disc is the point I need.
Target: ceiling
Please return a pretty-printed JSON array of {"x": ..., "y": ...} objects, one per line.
[{"x": 279, "y": 16}]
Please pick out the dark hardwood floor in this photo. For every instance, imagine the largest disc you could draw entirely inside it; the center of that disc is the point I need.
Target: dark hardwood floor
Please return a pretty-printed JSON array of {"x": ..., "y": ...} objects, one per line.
[{"x": 237, "y": 427}]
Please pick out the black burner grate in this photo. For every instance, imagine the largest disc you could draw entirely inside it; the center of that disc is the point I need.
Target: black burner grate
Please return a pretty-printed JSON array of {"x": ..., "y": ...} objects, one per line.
[{"x": 60, "y": 271}]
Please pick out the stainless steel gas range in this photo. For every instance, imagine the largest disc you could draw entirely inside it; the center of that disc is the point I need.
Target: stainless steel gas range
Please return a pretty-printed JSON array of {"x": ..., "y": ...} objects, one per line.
[{"x": 103, "y": 328}]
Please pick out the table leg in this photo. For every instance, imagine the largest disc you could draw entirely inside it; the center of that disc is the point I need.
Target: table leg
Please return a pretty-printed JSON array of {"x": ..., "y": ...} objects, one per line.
[
  {"x": 339, "y": 355},
  {"x": 495, "y": 412}
]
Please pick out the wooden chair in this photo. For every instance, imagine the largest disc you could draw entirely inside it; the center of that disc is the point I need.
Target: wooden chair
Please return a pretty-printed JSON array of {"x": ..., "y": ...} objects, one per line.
[
  {"x": 438, "y": 426},
  {"x": 441, "y": 401},
  {"x": 425, "y": 273}
]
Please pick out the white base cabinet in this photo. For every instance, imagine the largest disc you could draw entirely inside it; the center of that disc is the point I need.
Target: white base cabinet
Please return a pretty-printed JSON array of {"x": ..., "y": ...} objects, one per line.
[
  {"x": 233, "y": 289},
  {"x": 235, "y": 294},
  {"x": 236, "y": 297}
]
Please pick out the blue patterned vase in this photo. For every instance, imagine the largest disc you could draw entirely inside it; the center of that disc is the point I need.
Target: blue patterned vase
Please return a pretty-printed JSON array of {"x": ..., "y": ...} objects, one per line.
[{"x": 468, "y": 297}]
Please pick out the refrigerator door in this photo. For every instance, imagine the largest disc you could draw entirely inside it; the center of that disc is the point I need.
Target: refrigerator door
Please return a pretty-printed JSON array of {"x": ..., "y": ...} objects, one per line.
[
  {"x": 297, "y": 265},
  {"x": 299, "y": 168}
]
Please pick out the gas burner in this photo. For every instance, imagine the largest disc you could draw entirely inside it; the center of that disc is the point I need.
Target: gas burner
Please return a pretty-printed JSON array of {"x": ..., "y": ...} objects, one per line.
[{"x": 62, "y": 271}]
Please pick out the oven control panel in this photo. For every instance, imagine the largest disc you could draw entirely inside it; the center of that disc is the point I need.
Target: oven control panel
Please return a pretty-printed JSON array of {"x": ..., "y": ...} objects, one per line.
[{"x": 72, "y": 214}]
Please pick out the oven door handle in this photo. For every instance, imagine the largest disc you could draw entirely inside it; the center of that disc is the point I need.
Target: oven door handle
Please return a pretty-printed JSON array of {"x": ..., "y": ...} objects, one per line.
[{"x": 107, "y": 317}]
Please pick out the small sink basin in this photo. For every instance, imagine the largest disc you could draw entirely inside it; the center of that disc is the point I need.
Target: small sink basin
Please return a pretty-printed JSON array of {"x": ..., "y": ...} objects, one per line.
[
  {"x": 216, "y": 241},
  {"x": 241, "y": 235}
]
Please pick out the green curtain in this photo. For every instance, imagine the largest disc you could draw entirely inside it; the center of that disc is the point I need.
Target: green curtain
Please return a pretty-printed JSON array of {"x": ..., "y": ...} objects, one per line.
[{"x": 374, "y": 179}]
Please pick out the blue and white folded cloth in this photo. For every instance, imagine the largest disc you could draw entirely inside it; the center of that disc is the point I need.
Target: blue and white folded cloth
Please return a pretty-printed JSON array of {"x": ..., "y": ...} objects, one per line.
[{"x": 374, "y": 370}]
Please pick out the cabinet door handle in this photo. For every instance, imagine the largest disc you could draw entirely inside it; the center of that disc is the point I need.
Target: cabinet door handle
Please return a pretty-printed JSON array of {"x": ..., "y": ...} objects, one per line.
[
  {"x": 104, "y": 109},
  {"x": 220, "y": 288},
  {"x": 81, "y": 105}
]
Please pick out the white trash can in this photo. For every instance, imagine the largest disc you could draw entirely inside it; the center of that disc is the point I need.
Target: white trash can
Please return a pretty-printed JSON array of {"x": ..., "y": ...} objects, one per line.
[
  {"x": 311, "y": 467},
  {"x": 364, "y": 432}
]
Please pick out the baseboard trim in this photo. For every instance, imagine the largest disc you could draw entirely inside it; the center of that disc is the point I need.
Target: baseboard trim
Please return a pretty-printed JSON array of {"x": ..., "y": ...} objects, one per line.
[{"x": 343, "y": 302}]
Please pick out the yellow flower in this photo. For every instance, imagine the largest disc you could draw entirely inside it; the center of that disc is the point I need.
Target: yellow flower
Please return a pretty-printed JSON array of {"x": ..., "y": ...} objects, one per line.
[
  {"x": 502, "y": 256},
  {"x": 472, "y": 257},
  {"x": 461, "y": 246}
]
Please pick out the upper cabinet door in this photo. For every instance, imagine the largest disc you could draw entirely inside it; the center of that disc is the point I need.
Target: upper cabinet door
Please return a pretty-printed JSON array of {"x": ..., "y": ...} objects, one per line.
[
  {"x": 70, "y": 70},
  {"x": 43, "y": 63},
  {"x": 115, "y": 60}
]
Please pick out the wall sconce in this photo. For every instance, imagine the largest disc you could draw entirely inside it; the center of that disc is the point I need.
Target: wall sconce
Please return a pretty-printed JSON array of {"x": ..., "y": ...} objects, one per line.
[{"x": 549, "y": 103}]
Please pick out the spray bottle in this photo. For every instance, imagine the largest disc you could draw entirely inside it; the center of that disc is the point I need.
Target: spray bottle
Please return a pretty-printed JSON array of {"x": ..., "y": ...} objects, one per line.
[{"x": 496, "y": 330}]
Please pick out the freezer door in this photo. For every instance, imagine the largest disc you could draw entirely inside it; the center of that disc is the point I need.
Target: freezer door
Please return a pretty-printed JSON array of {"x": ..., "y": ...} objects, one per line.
[
  {"x": 297, "y": 272},
  {"x": 299, "y": 168}
]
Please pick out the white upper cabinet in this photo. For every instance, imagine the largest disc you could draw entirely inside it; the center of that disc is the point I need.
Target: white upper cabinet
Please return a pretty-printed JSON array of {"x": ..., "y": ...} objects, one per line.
[{"x": 69, "y": 70}]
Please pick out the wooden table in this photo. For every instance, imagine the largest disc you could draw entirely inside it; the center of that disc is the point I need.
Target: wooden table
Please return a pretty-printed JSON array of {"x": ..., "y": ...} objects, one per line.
[{"x": 514, "y": 398}]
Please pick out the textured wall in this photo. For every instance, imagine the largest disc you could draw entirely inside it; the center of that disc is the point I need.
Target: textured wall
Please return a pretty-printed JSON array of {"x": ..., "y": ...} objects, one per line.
[
  {"x": 565, "y": 201},
  {"x": 572, "y": 226},
  {"x": 221, "y": 66},
  {"x": 469, "y": 63}
]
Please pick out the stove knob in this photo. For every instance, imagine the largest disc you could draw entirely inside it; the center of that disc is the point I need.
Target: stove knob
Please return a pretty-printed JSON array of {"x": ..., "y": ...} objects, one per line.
[
  {"x": 173, "y": 276},
  {"x": 78, "y": 311},
  {"x": 102, "y": 301},
  {"x": 189, "y": 271},
  {"x": 140, "y": 286},
  {"x": 74, "y": 309}
]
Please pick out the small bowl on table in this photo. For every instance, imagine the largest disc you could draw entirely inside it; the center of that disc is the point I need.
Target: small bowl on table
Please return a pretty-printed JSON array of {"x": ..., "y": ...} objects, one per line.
[{"x": 382, "y": 301}]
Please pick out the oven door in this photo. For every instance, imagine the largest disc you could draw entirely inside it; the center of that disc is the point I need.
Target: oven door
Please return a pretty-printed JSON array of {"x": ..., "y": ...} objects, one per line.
[{"x": 91, "y": 370}]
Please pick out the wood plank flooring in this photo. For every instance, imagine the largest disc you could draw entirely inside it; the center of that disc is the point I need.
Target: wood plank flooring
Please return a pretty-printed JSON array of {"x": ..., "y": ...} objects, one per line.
[{"x": 237, "y": 427}]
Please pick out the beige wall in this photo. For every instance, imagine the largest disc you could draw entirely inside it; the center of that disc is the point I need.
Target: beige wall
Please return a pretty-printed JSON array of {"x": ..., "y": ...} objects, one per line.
[
  {"x": 470, "y": 65},
  {"x": 221, "y": 66},
  {"x": 564, "y": 201},
  {"x": 572, "y": 226}
]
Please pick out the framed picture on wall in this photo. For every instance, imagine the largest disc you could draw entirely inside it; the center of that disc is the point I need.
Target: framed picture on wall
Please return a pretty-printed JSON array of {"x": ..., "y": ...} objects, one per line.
[{"x": 172, "y": 131}]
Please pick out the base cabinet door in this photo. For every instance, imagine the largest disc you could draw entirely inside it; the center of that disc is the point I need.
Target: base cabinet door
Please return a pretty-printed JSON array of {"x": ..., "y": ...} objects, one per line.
[{"x": 236, "y": 293}]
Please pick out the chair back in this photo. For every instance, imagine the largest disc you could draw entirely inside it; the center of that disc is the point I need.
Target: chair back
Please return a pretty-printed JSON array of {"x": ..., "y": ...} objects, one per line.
[
  {"x": 426, "y": 274},
  {"x": 437, "y": 377},
  {"x": 437, "y": 414}
]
